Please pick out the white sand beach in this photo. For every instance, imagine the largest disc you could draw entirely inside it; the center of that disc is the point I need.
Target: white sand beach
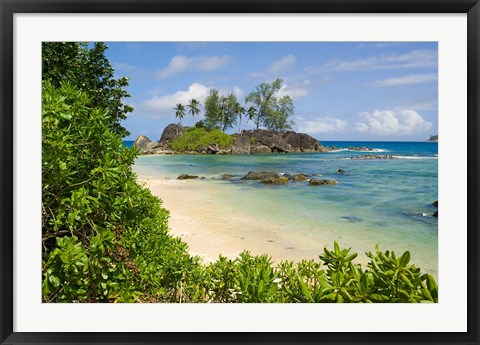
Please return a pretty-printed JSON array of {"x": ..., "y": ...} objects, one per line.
[{"x": 211, "y": 226}]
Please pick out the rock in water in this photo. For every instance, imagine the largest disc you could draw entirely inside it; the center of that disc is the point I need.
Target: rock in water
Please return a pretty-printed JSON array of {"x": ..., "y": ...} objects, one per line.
[
  {"x": 259, "y": 176},
  {"x": 186, "y": 177},
  {"x": 299, "y": 177},
  {"x": 315, "y": 182},
  {"x": 170, "y": 133},
  {"x": 341, "y": 171},
  {"x": 435, "y": 203},
  {"x": 435, "y": 214},
  {"x": 275, "y": 180},
  {"x": 370, "y": 156}
]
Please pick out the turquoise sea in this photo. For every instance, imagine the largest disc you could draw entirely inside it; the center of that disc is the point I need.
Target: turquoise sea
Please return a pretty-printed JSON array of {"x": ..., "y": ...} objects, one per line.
[{"x": 376, "y": 201}]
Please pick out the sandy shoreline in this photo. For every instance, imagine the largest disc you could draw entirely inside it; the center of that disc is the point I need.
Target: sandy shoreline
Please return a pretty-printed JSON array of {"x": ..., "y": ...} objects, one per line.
[{"x": 211, "y": 227}]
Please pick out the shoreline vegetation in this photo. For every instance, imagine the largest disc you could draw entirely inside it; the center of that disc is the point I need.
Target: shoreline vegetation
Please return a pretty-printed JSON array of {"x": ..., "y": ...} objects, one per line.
[{"x": 106, "y": 238}]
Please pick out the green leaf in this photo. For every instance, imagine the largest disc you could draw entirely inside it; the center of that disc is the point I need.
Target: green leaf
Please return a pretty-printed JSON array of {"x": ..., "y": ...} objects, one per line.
[
  {"x": 54, "y": 280},
  {"x": 405, "y": 259},
  {"x": 304, "y": 289}
]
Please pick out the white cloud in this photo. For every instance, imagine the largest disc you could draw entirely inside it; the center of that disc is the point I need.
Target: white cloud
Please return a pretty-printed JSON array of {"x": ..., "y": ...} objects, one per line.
[
  {"x": 239, "y": 93},
  {"x": 393, "y": 122},
  {"x": 162, "y": 106},
  {"x": 295, "y": 91},
  {"x": 282, "y": 64},
  {"x": 361, "y": 127},
  {"x": 276, "y": 67},
  {"x": 412, "y": 59},
  {"x": 423, "y": 105},
  {"x": 406, "y": 80},
  {"x": 180, "y": 63},
  {"x": 321, "y": 125}
]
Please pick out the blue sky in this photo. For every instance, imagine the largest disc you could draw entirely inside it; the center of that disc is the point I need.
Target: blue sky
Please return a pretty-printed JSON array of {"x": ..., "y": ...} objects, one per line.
[{"x": 341, "y": 91}]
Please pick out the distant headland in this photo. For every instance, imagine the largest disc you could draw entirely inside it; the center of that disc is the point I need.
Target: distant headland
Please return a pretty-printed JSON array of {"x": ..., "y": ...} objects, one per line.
[{"x": 433, "y": 139}]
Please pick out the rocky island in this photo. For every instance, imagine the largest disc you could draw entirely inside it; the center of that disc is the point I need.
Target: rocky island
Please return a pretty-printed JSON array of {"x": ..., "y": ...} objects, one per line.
[
  {"x": 247, "y": 142},
  {"x": 433, "y": 139}
]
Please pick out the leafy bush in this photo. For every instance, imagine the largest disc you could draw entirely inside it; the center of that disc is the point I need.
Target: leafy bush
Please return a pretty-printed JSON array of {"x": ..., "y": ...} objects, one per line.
[
  {"x": 198, "y": 139},
  {"x": 104, "y": 237}
]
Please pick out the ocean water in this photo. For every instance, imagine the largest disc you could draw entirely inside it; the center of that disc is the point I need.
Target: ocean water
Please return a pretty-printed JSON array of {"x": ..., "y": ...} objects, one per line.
[{"x": 385, "y": 202}]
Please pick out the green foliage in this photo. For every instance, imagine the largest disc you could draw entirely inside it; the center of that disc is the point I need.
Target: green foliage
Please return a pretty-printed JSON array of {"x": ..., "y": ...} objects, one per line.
[
  {"x": 221, "y": 111},
  {"x": 198, "y": 139},
  {"x": 278, "y": 116},
  {"x": 104, "y": 237},
  {"x": 267, "y": 110},
  {"x": 179, "y": 112},
  {"x": 88, "y": 70},
  {"x": 193, "y": 107}
]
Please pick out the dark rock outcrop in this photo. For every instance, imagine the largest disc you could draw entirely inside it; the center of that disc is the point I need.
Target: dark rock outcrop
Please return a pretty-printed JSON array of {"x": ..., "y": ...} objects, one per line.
[
  {"x": 374, "y": 157},
  {"x": 299, "y": 177},
  {"x": 260, "y": 175},
  {"x": 241, "y": 144},
  {"x": 170, "y": 133},
  {"x": 275, "y": 180},
  {"x": 285, "y": 142},
  {"x": 341, "y": 171},
  {"x": 315, "y": 182},
  {"x": 361, "y": 148},
  {"x": 186, "y": 177},
  {"x": 261, "y": 149},
  {"x": 435, "y": 203},
  {"x": 248, "y": 142}
]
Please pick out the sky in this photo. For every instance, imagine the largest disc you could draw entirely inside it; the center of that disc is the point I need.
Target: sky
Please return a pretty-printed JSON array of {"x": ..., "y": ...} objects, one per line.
[{"x": 357, "y": 91}]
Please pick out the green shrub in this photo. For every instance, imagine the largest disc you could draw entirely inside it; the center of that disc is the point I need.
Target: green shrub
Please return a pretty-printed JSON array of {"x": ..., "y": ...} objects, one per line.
[
  {"x": 104, "y": 237},
  {"x": 198, "y": 139}
]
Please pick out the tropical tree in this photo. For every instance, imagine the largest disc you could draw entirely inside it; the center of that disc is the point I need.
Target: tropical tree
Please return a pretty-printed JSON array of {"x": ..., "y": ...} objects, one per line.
[
  {"x": 263, "y": 100},
  {"x": 239, "y": 111},
  {"x": 179, "y": 112},
  {"x": 219, "y": 110},
  {"x": 87, "y": 69},
  {"x": 279, "y": 118},
  {"x": 212, "y": 109},
  {"x": 251, "y": 114},
  {"x": 193, "y": 106}
]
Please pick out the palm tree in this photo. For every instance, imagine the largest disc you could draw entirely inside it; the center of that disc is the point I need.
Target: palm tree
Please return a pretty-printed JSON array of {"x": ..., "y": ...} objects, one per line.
[
  {"x": 223, "y": 108},
  {"x": 251, "y": 113},
  {"x": 193, "y": 105},
  {"x": 240, "y": 111},
  {"x": 179, "y": 112}
]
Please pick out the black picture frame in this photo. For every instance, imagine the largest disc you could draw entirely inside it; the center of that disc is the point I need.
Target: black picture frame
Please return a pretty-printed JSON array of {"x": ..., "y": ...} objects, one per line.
[{"x": 10, "y": 7}]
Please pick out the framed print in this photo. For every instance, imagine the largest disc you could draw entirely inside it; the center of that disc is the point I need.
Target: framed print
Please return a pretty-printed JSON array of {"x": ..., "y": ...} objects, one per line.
[{"x": 242, "y": 172}]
